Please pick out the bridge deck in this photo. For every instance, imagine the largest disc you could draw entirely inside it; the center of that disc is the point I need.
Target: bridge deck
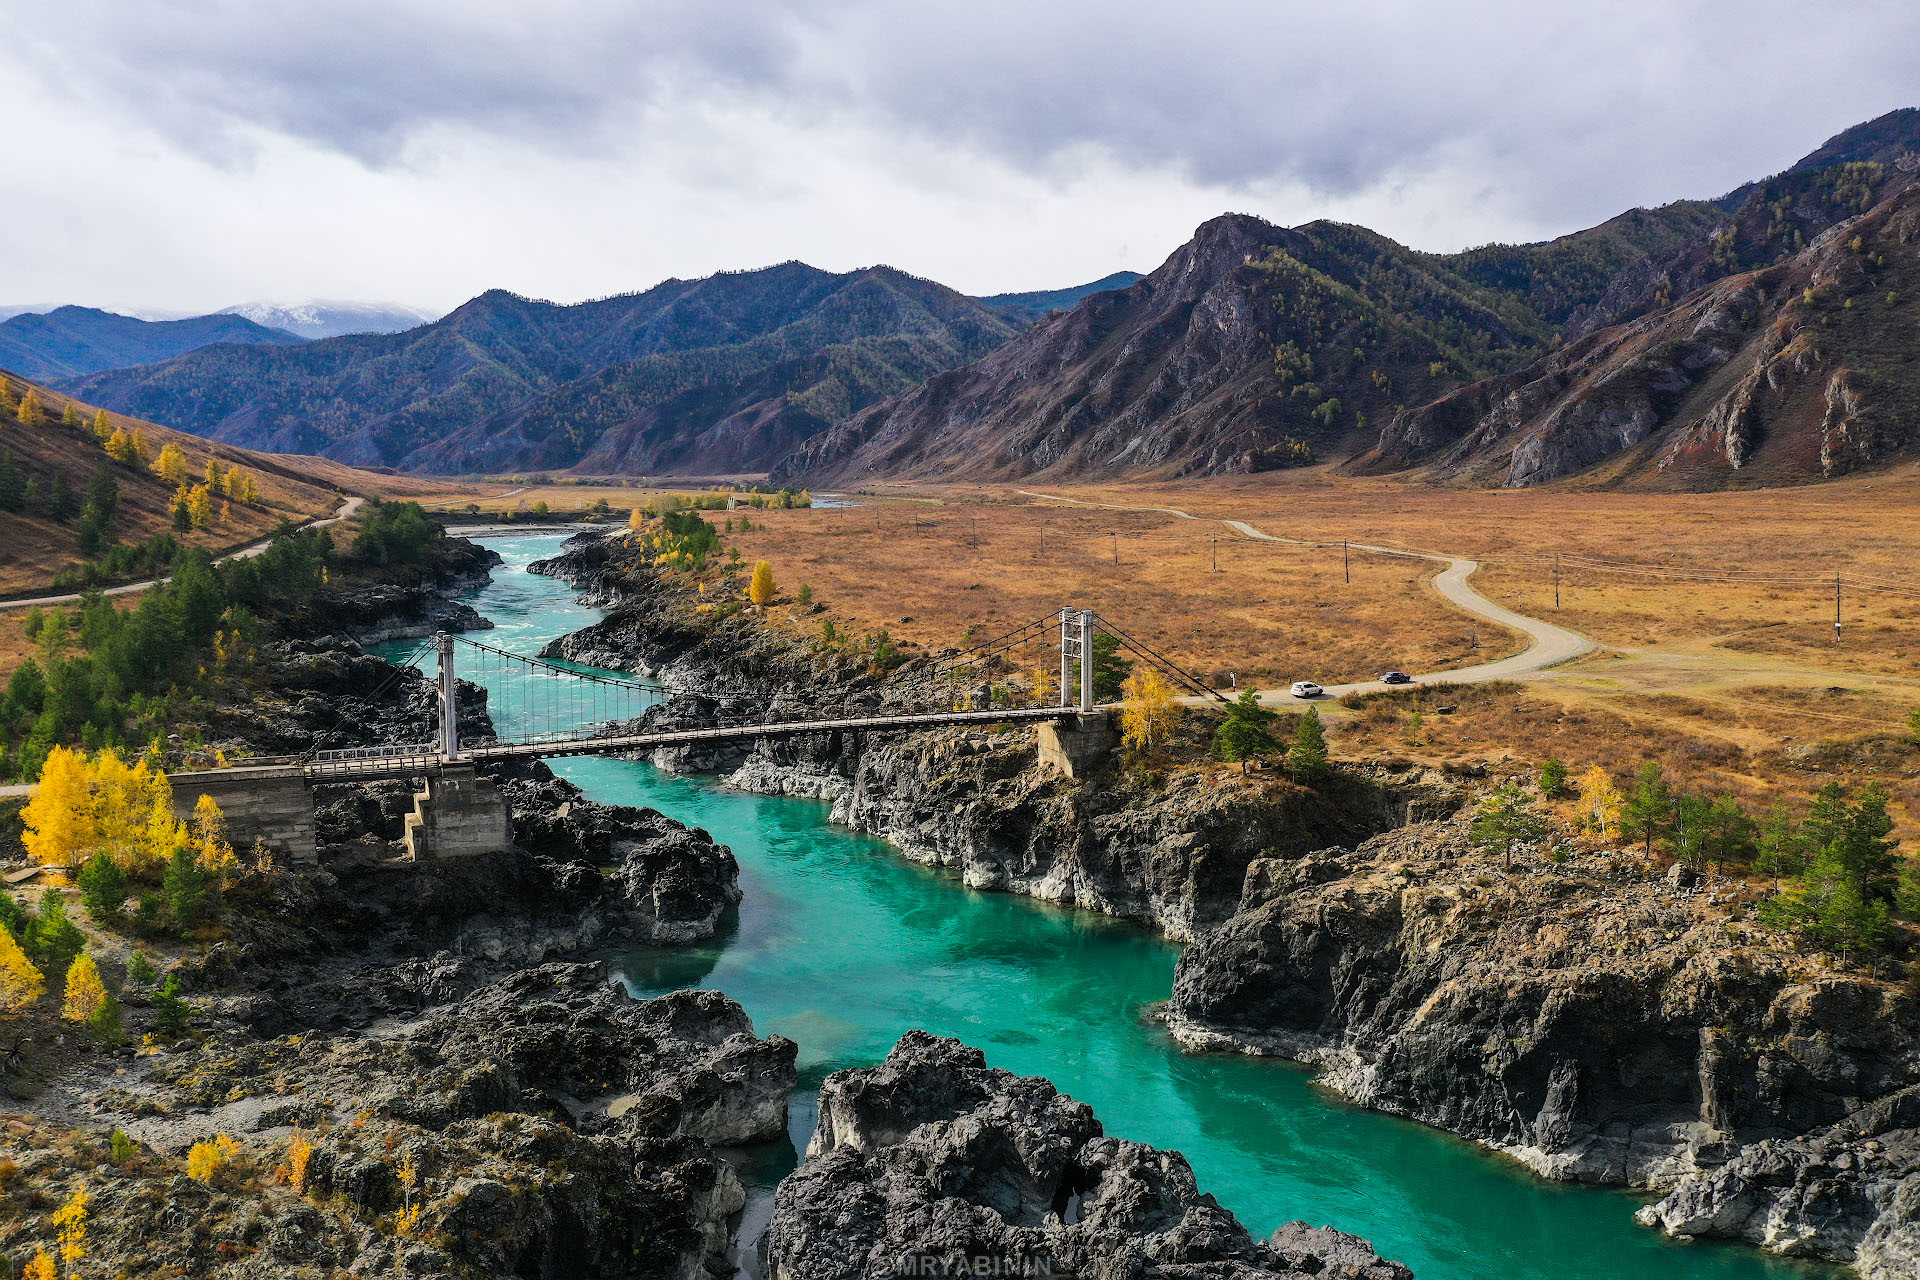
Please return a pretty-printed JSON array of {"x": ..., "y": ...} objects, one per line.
[{"x": 389, "y": 762}]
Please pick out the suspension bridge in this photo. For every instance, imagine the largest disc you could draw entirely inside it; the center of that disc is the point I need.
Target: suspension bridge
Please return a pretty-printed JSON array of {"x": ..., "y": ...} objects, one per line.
[
  {"x": 544, "y": 709},
  {"x": 561, "y": 709}
]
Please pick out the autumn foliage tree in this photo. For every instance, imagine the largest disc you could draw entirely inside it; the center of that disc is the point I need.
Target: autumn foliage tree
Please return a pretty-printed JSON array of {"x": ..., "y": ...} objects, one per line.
[
  {"x": 171, "y": 465},
  {"x": 1149, "y": 714},
  {"x": 1600, "y": 802},
  {"x": 59, "y": 819},
  {"x": 87, "y": 1000},
  {"x": 106, "y": 805},
  {"x": 761, "y": 589},
  {"x": 21, "y": 983}
]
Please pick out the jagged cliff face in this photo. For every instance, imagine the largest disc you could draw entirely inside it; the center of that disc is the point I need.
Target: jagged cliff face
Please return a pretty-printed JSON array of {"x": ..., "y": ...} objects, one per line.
[
  {"x": 1598, "y": 1026},
  {"x": 1796, "y": 371},
  {"x": 1254, "y": 340}
]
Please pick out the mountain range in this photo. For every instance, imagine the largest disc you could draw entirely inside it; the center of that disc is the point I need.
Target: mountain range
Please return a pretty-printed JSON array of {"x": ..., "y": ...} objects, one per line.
[
  {"x": 1758, "y": 337},
  {"x": 726, "y": 373},
  {"x": 320, "y": 318},
  {"x": 68, "y": 342}
]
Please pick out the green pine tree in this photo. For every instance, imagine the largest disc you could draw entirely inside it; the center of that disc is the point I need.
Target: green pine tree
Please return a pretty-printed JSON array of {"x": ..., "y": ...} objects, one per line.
[
  {"x": 1243, "y": 735},
  {"x": 1308, "y": 754},
  {"x": 1504, "y": 819},
  {"x": 1648, "y": 810}
]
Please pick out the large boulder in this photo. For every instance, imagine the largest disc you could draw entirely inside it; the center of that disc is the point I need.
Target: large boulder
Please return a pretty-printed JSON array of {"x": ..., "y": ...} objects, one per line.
[{"x": 933, "y": 1163}]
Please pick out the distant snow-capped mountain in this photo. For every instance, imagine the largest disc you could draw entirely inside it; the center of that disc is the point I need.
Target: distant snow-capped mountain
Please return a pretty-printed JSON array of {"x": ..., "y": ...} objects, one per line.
[{"x": 319, "y": 318}]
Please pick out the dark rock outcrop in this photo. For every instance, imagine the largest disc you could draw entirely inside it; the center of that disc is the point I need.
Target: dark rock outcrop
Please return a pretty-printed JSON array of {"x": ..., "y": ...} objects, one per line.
[
  {"x": 1847, "y": 1193},
  {"x": 544, "y": 1126},
  {"x": 1169, "y": 852},
  {"x": 932, "y": 1161},
  {"x": 1595, "y": 1024},
  {"x": 406, "y": 601}
]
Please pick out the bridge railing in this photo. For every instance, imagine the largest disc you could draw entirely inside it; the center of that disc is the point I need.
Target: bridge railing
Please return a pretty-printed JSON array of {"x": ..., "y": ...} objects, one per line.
[{"x": 350, "y": 760}]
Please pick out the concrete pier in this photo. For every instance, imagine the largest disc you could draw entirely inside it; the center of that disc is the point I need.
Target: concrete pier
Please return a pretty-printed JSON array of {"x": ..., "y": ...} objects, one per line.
[
  {"x": 1077, "y": 745},
  {"x": 459, "y": 815}
]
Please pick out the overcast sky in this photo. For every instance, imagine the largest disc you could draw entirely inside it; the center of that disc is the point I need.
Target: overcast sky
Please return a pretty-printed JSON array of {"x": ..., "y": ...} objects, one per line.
[{"x": 187, "y": 154}]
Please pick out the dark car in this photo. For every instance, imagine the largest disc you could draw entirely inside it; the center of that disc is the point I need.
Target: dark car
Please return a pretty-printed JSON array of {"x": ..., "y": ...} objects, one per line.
[{"x": 1396, "y": 677}]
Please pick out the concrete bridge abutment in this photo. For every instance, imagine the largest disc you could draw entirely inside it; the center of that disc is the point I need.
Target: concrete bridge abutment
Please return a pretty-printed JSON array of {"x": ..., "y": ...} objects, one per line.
[
  {"x": 272, "y": 806},
  {"x": 1077, "y": 745},
  {"x": 459, "y": 815}
]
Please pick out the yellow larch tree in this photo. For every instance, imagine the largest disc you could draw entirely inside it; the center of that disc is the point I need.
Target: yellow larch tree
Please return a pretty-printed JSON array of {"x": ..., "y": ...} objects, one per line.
[
  {"x": 761, "y": 588},
  {"x": 1150, "y": 714},
  {"x": 1600, "y": 802},
  {"x": 21, "y": 983},
  {"x": 209, "y": 832},
  {"x": 41, "y": 1268},
  {"x": 200, "y": 506},
  {"x": 140, "y": 447},
  {"x": 121, "y": 448},
  {"x": 101, "y": 427},
  {"x": 126, "y": 801},
  {"x": 70, "y": 1221},
  {"x": 85, "y": 992},
  {"x": 171, "y": 465},
  {"x": 30, "y": 412},
  {"x": 60, "y": 828}
]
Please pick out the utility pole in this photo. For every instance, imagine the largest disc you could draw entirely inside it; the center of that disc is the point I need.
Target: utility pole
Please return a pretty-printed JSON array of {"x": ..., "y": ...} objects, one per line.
[
  {"x": 1216, "y": 553},
  {"x": 1116, "y": 548},
  {"x": 1836, "y": 608},
  {"x": 1346, "y": 564},
  {"x": 1556, "y": 579}
]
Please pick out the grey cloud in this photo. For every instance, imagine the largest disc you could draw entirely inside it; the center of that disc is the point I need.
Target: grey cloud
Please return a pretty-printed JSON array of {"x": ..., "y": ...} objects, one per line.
[{"x": 1572, "y": 106}]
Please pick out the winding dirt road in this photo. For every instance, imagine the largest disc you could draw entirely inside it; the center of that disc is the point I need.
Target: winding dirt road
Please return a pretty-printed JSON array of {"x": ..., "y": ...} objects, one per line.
[
  {"x": 349, "y": 505},
  {"x": 1548, "y": 645}
]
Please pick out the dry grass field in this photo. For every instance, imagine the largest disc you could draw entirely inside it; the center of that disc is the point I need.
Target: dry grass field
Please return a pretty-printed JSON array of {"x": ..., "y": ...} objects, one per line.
[
  {"x": 1715, "y": 609},
  {"x": 494, "y": 497},
  {"x": 930, "y": 571}
]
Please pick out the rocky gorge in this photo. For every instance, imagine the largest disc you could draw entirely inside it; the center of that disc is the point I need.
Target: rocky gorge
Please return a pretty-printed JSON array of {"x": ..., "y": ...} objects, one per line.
[
  {"x": 426, "y": 1067},
  {"x": 1593, "y": 1021}
]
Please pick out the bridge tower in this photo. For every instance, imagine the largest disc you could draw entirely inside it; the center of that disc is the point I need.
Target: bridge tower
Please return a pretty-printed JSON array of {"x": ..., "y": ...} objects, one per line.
[
  {"x": 1086, "y": 659},
  {"x": 449, "y": 703},
  {"x": 1069, "y": 640}
]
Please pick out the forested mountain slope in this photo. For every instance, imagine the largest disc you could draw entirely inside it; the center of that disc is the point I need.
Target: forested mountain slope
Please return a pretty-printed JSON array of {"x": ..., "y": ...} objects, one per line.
[
  {"x": 70, "y": 341},
  {"x": 723, "y": 372}
]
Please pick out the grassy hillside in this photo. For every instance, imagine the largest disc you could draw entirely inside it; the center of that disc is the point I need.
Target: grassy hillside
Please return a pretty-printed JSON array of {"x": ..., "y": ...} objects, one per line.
[{"x": 55, "y": 467}]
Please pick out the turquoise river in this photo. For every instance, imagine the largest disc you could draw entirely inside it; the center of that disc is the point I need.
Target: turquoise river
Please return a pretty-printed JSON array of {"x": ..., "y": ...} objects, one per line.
[{"x": 842, "y": 946}]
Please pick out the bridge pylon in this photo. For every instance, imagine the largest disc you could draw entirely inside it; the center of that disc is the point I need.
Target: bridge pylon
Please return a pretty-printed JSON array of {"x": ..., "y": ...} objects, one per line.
[{"x": 449, "y": 702}]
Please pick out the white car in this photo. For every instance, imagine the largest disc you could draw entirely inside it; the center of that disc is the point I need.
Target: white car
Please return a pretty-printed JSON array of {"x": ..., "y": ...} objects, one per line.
[{"x": 1306, "y": 689}]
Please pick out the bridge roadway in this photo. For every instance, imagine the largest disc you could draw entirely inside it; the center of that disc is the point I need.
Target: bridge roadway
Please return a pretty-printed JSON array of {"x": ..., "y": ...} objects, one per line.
[{"x": 412, "y": 761}]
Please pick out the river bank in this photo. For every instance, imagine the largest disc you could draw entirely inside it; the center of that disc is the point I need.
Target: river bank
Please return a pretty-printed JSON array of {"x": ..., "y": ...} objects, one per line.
[{"x": 1597, "y": 1024}]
